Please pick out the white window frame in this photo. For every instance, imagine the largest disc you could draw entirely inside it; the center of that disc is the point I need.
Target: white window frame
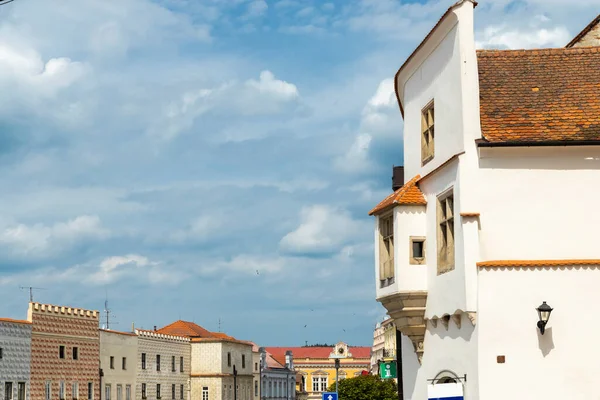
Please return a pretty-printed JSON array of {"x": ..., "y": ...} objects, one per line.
[
  {"x": 48, "y": 390},
  {"x": 61, "y": 390},
  {"x": 127, "y": 392},
  {"x": 324, "y": 383},
  {"x": 107, "y": 391},
  {"x": 75, "y": 390},
  {"x": 119, "y": 392},
  {"x": 8, "y": 393},
  {"x": 205, "y": 393}
]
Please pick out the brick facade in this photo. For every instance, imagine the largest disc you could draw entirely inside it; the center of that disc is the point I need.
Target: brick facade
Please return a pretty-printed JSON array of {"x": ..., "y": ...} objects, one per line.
[
  {"x": 167, "y": 346},
  {"x": 15, "y": 358},
  {"x": 53, "y": 327}
]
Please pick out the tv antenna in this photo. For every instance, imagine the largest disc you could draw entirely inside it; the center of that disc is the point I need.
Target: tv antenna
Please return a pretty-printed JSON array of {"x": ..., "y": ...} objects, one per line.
[
  {"x": 107, "y": 312},
  {"x": 31, "y": 288}
]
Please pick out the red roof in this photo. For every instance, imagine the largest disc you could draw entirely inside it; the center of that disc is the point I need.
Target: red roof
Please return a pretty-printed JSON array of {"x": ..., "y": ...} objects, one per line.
[
  {"x": 190, "y": 329},
  {"x": 409, "y": 194},
  {"x": 300, "y": 353}
]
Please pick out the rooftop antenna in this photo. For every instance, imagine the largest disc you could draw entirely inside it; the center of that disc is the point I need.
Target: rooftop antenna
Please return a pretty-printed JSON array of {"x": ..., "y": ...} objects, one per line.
[
  {"x": 107, "y": 312},
  {"x": 30, "y": 287}
]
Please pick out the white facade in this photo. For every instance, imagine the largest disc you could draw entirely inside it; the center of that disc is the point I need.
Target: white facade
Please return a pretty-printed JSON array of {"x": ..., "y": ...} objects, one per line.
[
  {"x": 15, "y": 359},
  {"x": 118, "y": 357},
  {"x": 522, "y": 204},
  {"x": 278, "y": 381},
  {"x": 159, "y": 360}
]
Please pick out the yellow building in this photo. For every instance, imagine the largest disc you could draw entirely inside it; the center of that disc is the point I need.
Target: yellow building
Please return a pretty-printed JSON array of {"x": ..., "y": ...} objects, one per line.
[{"x": 316, "y": 367}]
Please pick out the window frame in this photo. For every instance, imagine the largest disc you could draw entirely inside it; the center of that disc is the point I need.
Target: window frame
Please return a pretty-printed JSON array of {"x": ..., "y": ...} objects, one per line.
[
  {"x": 181, "y": 364},
  {"x": 173, "y": 369},
  {"x": 8, "y": 391},
  {"x": 21, "y": 390},
  {"x": 386, "y": 249},
  {"x": 229, "y": 359},
  {"x": 107, "y": 391},
  {"x": 75, "y": 353},
  {"x": 62, "y": 389},
  {"x": 90, "y": 390},
  {"x": 143, "y": 360},
  {"x": 61, "y": 352},
  {"x": 173, "y": 391},
  {"x": 75, "y": 390},
  {"x": 158, "y": 362},
  {"x": 144, "y": 391},
  {"x": 127, "y": 392},
  {"x": 181, "y": 390},
  {"x": 243, "y": 361},
  {"x": 417, "y": 260},
  {"x": 112, "y": 362},
  {"x": 48, "y": 390},
  {"x": 204, "y": 393},
  {"x": 158, "y": 395},
  {"x": 124, "y": 363},
  {"x": 427, "y": 133},
  {"x": 119, "y": 392},
  {"x": 445, "y": 232}
]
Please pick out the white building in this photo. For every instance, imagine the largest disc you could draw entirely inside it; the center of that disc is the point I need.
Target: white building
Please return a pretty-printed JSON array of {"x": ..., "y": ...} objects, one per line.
[
  {"x": 15, "y": 359},
  {"x": 278, "y": 381},
  {"x": 497, "y": 215},
  {"x": 118, "y": 356}
]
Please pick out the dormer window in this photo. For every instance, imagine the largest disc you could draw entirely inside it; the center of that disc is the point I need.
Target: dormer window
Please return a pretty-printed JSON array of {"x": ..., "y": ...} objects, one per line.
[
  {"x": 386, "y": 250},
  {"x": 427, "y": 134}
]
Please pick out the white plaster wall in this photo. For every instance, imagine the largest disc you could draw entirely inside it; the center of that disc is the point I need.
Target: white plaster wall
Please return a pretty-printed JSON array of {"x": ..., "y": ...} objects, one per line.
[
  {"x": 15, "y": 341},
  {"x": 438, "y": 78},
  {"x": 453, "y": 349},
  {"x": 285, "y": 378},
  {"x": 409, "y": 221},
  {"x": 207, "y": 357},
  {"x": 539, "y": 203},
  {"x": 237, "y": 350},
  {"x": 561, "y": 364},
  {"x": 118, "y": 345}
]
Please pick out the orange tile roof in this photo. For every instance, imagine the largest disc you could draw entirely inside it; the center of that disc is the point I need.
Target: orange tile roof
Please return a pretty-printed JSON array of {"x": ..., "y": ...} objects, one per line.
[
  {"x": 186, "y": 328},
  {"x": 300, "y": 353},
  {"x": 15, "y": 321},
  {"x": 539, "y": 96},
  {"x": 535, "y": 263},
  {"x": 409, "y": 194},
  {"x": 584, "y": 32}
]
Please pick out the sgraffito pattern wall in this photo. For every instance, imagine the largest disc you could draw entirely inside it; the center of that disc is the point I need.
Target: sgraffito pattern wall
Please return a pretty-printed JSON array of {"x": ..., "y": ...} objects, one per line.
[{"x": 15, "y": 342}]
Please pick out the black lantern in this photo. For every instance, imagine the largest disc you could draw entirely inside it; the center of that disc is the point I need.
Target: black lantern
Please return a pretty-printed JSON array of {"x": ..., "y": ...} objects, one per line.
[{"x": 544, "y": 312}]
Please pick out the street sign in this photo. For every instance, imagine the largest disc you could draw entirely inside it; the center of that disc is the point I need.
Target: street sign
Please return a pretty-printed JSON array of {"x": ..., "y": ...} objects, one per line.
[
  {"x": 330, "y": 396},
  {"x": 387, "y": 370},
  {"x": 445, "y": 391}
]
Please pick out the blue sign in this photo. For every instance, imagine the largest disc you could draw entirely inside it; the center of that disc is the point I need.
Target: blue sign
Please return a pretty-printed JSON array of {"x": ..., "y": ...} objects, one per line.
[
  {"x": 330, "y": 396},
  {"x": 445, "y": 391}
]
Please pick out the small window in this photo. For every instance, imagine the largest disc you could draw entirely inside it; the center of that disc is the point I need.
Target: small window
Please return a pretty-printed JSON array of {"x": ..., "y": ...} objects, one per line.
[
  {"x": 445, "y": 233},
  {"x": 255, "y": 366},
  {"x": 1, "y": 353},
  {"x": 124, "y": 363},
  {"x": 180, "y": 364},
  {"x": 48, "y": 390},
  {"x": 417, "y": 250},
  {"x": 158, "y": 362},
  {"x": 243, "y": 361},
  {"x": 386, "y": 250},
  {"x": 427, "y": 134},
  {"x": 158, "y": 390},
  {"x": 255, "y": 388},
  {"x": 8, "y": 391},
  {"x": 144, "y": 391},
  {"x": 21, "y": 391},
  {"x": 143, "y": 360},
  {"x": 119, "y": 392},
  {"x": 90, "y": 391},
  {"x": 205, "y": 393},
  {"x": 229, "y": 359},
  {"x": 61, "y": 352},
  {"x": 128, "y": 392},
  {"x": 75, "y": 390},
  {"x": 112, "y": 362},
  {"x": 173, "y": 391},
  {"x": 61, "y": 390},
  {"x": 107, "y": 392},
  {"x": 173, "y": 365},
  {"x": 181, "y": 392},
  {"x": 75, "y": 353}
]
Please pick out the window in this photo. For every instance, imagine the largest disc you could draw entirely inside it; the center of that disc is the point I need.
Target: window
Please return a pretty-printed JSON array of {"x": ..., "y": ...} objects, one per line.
[
  {"x": 158, "y": 390},
  {"x": 1, "y": 355},
  {"x": 386, "y": 250},
  {"x": 21, "y": 391},
  {"x": 48, "y": 390},
  {"x": 8, "y": 391},
  {"x": 143, "y": 390},
  {"x": 75, "y": 353},
  {"x": 255, "y": 388},
  {"x": 128, "y": 392},
  {"x": 255, "y": 366},
  {"x": 143, "y": 360},
  {"x": 90, "y": 391},
  {"x": 445, "y": 233},
  {"x": 173, "y": 364},
  {"x": 61, "y": 351},
  {"x": 181, "y": 392},
  {"x": 180, "y": 364},
  {"x": 107, "y": 392},
  {"x": 112, "y": 362},
  {"x": 315, "y": 384},
  {"x": 229, "y": 359},
  {"x": 243, "y": 361},
  {"x": 427, "y": 134},
  {"x": 61, "y": 390},
  {"x": 417, "y": 250},
  {"x": 173, "y": 391},
  {"x": 75, "y": 390},
  {"x": 323, "y": 384},
  {"x": 124, "y": 363},
  {"x": 119, "y": 392},
  {"x": 205, "y": 393},
  {"x": 158, "y": 362}
]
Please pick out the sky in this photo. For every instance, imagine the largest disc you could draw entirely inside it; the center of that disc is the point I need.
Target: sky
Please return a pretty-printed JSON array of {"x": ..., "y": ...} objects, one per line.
[{"x": 214, "y": 160}]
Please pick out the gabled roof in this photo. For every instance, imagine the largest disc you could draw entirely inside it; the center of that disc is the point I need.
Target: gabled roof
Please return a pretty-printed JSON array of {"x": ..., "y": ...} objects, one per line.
[
  {"x": 409, "y": 194},
  {"x": 584, "y": 32},
  {"x": 189, "y": 329},
  {"x": 539, "y": 96}
]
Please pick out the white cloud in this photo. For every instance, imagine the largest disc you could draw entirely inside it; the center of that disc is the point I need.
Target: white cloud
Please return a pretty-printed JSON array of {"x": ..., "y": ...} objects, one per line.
[
  {"x": 201, "y": 228},
  {"x": 112, "y": 267},
  {"x": 322, "y": 229},
  {"x": 267, "y": 84},
  {"x": 256, "y": 8},
  {"x": 41, "y": 240},
  {"x": 503, "y": 36}
]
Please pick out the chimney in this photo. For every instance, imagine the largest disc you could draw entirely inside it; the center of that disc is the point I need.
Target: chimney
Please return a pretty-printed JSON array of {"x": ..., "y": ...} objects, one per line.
[
  {"x": 289, "y": 360},
  {"x": 133, "y": 327},
  {"x": 154, "y": 328},
  {"x": 397, "y": 178}
]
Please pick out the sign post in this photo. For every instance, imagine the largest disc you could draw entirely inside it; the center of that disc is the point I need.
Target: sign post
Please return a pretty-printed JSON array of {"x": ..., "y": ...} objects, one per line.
[
  {"x": 388, "y": 370},
  {"x": 329, "y": 396}
]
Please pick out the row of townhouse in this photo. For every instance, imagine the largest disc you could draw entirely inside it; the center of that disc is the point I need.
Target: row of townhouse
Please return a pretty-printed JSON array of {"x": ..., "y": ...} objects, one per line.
[{"x": 60, "y": 353}]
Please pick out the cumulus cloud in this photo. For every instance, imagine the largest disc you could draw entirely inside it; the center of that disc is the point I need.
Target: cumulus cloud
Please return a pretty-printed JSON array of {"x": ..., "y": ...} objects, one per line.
[
  {"x": 256, "y": 9},
  {"x": 504, "y": 36},
  {"x": 39, "y": 240},
  {"x": 323, "y": 229},
  {"x": 111, "y": 268}
]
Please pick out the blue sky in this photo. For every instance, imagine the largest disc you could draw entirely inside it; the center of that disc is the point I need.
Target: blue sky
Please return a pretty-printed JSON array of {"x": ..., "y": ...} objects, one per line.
[{"x": 163, "y": 152}]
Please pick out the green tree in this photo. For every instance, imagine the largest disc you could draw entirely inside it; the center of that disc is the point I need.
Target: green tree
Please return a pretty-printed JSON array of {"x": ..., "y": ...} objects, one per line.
[{"x": 366, "y": 387}]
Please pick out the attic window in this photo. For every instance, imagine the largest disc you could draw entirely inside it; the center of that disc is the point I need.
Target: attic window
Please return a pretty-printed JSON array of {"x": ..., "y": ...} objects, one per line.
[{"x": 427, "y": 133}]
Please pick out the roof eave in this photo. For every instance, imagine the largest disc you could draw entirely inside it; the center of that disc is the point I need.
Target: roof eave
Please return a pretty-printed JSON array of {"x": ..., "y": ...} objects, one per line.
[
  {"x": 546, "y": 143},
  {"x": 584, "y": 32}
]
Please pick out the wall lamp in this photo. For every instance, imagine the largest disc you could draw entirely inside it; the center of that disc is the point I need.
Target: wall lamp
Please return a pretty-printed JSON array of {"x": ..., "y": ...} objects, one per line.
[{"x": 544, "y": 312}]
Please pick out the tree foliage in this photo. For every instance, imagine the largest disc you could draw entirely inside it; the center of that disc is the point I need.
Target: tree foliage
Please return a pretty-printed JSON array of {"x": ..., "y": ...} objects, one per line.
[{"x": 366, "y": 387}]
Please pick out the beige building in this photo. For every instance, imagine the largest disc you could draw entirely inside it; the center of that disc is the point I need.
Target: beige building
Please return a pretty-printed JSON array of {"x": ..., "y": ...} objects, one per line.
[
  {"x": 118, "y": 355},
  {"x": 163, "y": 366},
  {"x": 214, "y": 356},
  {"x": 256, "y": 371},
  {"x": 589, "y": 36}
]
